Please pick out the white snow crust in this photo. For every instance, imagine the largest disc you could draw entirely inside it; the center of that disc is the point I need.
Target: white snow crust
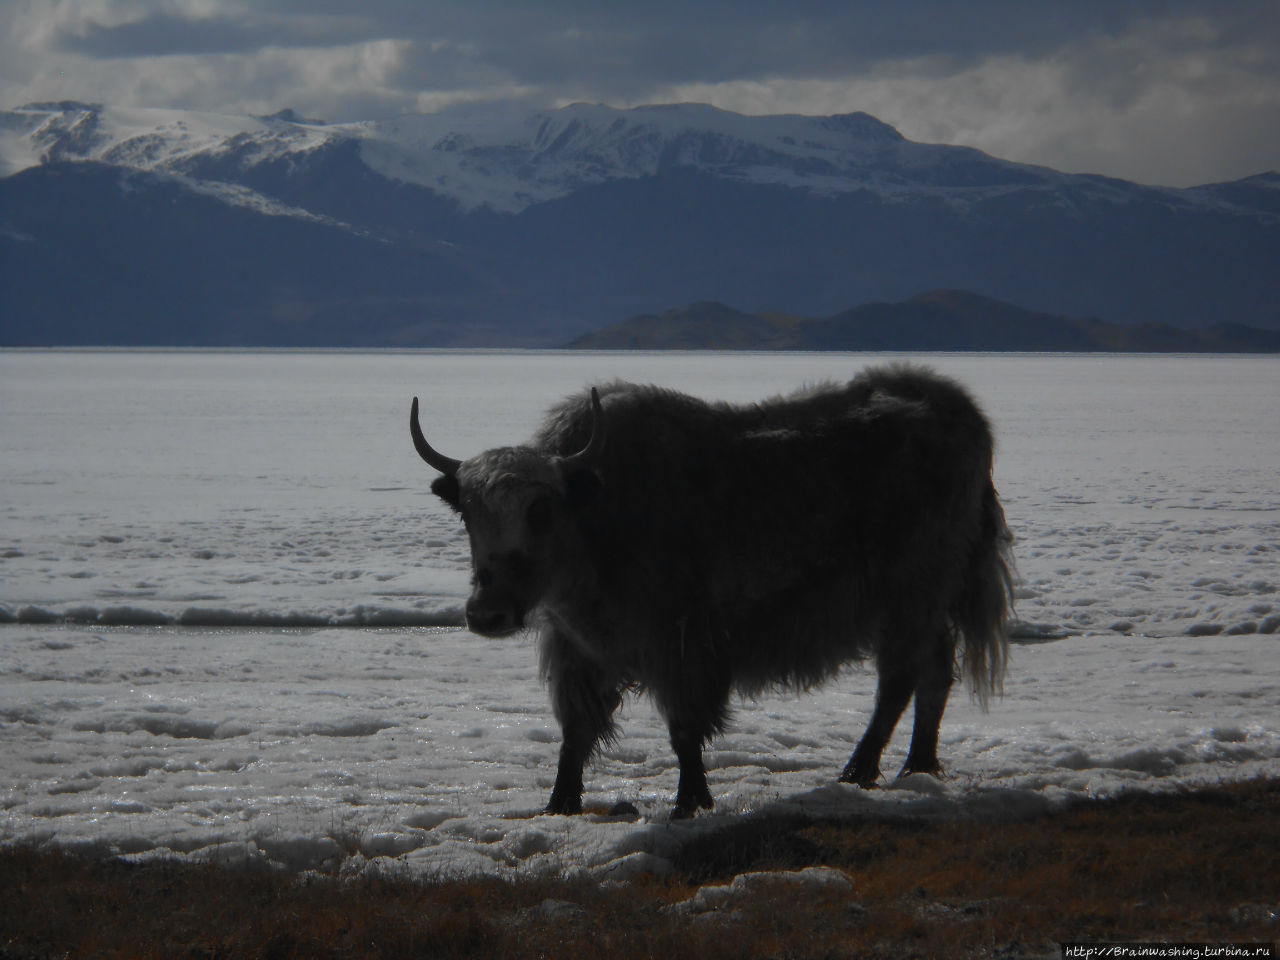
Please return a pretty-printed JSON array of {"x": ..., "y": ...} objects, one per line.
[
  {"x": 504, "y": 157},
  {"x": 233, "y": 610}
]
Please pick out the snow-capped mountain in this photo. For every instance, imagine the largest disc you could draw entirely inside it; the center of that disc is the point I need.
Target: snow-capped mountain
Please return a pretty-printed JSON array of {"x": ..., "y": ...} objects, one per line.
[
  {"x": 162, "y": 141},
  {"x": 505, "y": 158},
  {"x": 497, "y": 223},
  {"x": 140, "y": 138},
  {"x": 509, "y": 161}
]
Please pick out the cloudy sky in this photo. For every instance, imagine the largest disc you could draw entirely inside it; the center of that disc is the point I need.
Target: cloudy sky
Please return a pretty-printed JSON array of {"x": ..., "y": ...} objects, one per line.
[{"x": 1158, "y": 91}]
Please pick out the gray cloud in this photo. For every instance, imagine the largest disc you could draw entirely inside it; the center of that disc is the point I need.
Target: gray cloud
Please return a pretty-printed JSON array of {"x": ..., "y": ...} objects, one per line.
[
  {"x": 619, "y": 45},
  {"x": 629, "y": 46},
  {"x": 1174, "y": 91},
  {"x": 161, "y": 35}
]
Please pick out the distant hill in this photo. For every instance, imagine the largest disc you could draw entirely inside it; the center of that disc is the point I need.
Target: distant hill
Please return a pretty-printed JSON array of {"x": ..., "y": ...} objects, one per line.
[{"x": 941, "y": 320}]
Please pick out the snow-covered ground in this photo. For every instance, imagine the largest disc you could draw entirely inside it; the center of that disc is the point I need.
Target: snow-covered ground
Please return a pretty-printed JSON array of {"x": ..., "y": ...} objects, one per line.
[{"x": 175, "y": 529}]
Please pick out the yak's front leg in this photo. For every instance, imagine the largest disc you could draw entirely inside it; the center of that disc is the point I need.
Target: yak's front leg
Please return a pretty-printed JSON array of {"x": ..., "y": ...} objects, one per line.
[
  {"x": 695, "y": 714},
  {"x": 692, "y": 792},
  {"x": 584, "y": 700}
]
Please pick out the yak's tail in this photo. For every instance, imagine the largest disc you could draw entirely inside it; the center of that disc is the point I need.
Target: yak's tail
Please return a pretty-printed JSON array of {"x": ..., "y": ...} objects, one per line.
[{"x": 981, "y": 616}]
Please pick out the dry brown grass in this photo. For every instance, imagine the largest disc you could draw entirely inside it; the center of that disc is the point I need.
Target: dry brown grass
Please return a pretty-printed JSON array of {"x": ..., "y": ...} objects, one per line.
[{"x": 1196, "y": 866}]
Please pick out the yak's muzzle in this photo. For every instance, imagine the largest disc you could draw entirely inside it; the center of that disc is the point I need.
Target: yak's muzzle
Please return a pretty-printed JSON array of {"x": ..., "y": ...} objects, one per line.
[{"x": 493, "y": 619}]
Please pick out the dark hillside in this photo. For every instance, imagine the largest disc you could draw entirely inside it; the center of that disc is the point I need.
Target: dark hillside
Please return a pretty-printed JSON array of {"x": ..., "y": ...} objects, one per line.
[{"x": 948, "y": 320}]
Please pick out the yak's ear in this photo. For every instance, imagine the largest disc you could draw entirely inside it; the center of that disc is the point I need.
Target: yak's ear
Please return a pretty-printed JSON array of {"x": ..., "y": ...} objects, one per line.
[
  {"x": 446, "y": 488},
  {"x": 581, "y": 487}
]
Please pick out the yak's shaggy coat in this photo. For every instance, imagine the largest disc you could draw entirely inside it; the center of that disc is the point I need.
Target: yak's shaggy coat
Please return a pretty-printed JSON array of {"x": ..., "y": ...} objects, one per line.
[{"x": 693, "y": 548}]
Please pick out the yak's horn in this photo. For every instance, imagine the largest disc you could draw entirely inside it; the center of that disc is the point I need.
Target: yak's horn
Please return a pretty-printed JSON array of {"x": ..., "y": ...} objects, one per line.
[
  {"x": 446, "y": 465},
  {"x": 587, "y": 454}
]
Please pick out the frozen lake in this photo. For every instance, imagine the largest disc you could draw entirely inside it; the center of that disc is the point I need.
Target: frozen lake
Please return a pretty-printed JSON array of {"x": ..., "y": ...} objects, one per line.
[{"x": 231, "y": 605}]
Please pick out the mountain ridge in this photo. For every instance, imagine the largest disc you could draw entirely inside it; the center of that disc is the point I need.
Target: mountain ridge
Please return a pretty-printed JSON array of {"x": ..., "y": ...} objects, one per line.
[
  {"x": 502, "y": 226},
  {"x": 563, "y": 149}
]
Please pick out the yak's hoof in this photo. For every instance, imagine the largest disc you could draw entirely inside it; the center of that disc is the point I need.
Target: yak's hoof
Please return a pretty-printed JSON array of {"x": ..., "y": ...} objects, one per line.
[
  {"x": 688, "y": 809},
  {"x": 933, "y": 769},
  {"x": 866, "y": 779},
  {"x": 567, "y": 806}
]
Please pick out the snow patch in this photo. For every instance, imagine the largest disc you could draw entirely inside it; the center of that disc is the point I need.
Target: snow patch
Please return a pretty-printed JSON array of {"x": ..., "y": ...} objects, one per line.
[{"x": 748, "y": 888}]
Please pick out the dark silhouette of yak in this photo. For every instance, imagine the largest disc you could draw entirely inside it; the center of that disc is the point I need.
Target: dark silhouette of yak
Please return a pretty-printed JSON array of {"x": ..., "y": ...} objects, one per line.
[{"x": 689, "y": 549}]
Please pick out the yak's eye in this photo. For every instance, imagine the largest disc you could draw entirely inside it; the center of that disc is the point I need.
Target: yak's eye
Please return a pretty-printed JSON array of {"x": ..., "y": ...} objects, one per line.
[{"x": 538, "y": 515}]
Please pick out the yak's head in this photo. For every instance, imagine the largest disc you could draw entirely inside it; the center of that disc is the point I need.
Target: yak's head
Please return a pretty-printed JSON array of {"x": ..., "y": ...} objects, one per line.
[{"x": 517, "y": 504}]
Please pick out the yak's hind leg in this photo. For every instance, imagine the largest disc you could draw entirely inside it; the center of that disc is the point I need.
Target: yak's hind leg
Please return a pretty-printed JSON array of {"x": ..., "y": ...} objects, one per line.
[
  {"x": 935, "y": 672},
  {"x": 894, "y": 688},
  {"x": 584, "y": 699},
  {"x": 916, "y": 662}
]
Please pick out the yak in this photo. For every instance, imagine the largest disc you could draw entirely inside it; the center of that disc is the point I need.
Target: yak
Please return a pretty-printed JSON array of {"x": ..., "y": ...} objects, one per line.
[{"x": 689, "y": 549}]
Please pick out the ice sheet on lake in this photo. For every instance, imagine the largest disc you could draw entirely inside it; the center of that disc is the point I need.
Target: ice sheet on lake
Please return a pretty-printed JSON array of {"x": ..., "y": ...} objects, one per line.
[
  {"x": 281, "y": 489},
  {"x": 433, "y": 750},
  {"x": 197, "y": 493}
]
